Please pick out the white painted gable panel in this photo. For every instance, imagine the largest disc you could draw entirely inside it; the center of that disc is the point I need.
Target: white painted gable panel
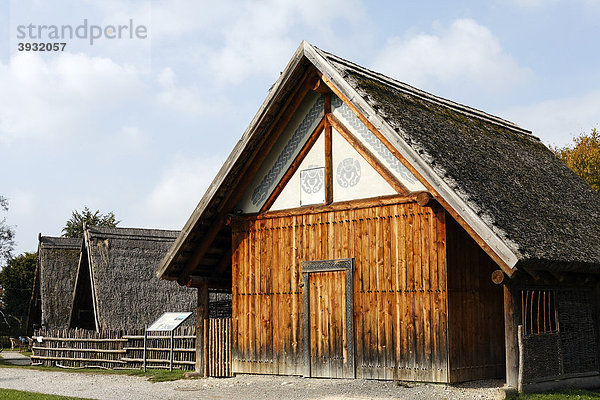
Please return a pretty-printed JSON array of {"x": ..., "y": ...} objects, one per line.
[
  {"x": 353, "y": 177},
  {"x": 374, "y": 145},
  {"x": 295, "y": 194}
]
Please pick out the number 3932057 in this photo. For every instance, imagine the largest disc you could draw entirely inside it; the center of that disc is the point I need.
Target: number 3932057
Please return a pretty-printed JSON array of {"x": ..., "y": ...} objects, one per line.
[{"x": 21, "y": 46}]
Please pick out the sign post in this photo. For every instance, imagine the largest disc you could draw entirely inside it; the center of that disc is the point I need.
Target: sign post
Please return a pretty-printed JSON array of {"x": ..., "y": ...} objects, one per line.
[{"x": 167, "y": 322}]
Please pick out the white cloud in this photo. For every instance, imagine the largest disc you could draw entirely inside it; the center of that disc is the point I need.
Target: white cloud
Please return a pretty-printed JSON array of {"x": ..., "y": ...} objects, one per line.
[
  {"x": 557, "y": 121},
  {"x": 259, "y": 37},
  {"x": 183, "y": 99},
  {"x": 55, "y": 97},
  {"x": 178, "y": 191},
  {"x": 465, "y": 56}
]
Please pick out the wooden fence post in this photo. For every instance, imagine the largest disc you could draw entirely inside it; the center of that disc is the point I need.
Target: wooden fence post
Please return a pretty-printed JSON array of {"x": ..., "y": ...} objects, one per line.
[
  {"x": 201, "y": 316},
  {"x": 510, "y": 338}
]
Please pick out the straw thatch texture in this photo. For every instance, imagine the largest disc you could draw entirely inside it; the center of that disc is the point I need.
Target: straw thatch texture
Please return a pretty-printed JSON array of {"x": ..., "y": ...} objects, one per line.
[
  {"x": 55, "y": 279},
  {"x": 126, "y": 293},
  {"x": 548, "y": 216}
]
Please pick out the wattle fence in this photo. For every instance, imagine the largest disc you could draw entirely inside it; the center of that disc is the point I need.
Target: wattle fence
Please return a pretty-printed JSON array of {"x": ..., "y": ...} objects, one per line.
[{"x": 74, "y": 348}]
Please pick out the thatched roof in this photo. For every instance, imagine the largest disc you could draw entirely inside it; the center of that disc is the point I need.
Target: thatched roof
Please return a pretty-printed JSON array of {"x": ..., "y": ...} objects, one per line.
[
  {"x": 55, "y": 279},
  {"x": 117, "y": 272},
  {"x": 521, "y": 204},
  {"x": 540, "y": 209}
]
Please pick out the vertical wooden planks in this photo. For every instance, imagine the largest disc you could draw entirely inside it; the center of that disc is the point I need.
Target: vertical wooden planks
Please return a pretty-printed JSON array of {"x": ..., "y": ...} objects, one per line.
[{"x": 398, "y": 288}]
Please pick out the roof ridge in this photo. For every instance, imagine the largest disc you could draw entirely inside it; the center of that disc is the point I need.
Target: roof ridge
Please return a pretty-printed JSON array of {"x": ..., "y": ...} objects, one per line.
[
  {"x": 404, "y": 87},
  {"x": 137, "y": 233},
  {"x": 59, "y": 242}
]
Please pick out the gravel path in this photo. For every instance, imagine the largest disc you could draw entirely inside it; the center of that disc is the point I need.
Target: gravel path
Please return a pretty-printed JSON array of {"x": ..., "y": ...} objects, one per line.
[
  {"x": 241, "y": 387},
  {"x": 15, "y": 358}
]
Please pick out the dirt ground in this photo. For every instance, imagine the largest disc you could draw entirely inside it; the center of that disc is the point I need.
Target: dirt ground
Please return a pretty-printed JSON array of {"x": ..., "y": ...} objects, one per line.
[{"x": 121, "y": 387}]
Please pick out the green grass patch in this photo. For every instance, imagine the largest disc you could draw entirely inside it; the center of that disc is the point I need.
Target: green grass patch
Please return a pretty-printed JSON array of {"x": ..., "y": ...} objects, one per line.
[
  {"x": 10, "y": 394},
  {"x": 558, "y": 395}
]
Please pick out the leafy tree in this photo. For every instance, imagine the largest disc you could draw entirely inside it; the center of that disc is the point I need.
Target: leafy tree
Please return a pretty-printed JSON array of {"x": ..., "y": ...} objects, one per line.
[
  {"x": 583, "y": 157},
  {"x": 74, "y": 226},
  {"x": 7, "y": 235},
  {"x": 16, "y": 279}
]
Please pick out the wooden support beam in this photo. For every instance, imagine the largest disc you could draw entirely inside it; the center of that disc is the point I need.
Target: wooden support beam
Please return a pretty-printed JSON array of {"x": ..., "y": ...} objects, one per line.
[
  {"x": 424, "y": 199},
  {"x": 367, "y": 155},
  {"x": 328, "y": 152},
  {"x": 338, "y": 206},
  {"x": 319, "y": 86},
  {"x": 498, "y": 276},
  {"x": 201, "y": 316},
  {"x": 511, "y": 345}
]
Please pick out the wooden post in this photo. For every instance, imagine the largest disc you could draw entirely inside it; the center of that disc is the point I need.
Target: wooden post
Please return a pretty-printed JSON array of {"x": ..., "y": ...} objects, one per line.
[
  {"x": 201, "y": 316},
  {"x": 171, "y": 351},
  {"x": 510, "y": 338},
  {"x": 521, "y": 359},
  {"x": 145, "y": 346}
]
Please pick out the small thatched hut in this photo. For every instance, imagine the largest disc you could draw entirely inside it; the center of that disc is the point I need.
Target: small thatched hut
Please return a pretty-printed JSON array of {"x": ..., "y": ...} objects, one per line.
[
  {"x": 116, "y": 287},
  {"x": 54, "y": 281}
]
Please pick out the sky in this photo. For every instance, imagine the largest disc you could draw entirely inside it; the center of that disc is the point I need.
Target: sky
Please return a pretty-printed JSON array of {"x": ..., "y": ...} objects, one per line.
[{"x": 140, "y": 124}]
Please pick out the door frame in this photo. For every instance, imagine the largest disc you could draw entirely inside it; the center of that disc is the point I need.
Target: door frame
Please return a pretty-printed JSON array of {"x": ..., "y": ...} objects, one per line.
[{"x": 308, "y": 267}]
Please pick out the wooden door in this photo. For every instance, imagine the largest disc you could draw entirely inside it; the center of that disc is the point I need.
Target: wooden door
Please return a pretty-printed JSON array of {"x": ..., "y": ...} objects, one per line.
[{"x": 328, "y": 341}]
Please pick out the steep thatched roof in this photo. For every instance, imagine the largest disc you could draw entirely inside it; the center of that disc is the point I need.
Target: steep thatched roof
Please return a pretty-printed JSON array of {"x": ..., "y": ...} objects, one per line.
[
  {"x": 517, "y": 200},
  {"x": 55, "y": 279},
  {"x": 117, "y": 275},
  {"x": 544, "y": 213}
]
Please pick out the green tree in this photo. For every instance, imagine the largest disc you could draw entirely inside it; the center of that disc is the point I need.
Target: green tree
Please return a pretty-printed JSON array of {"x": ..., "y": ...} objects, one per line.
[
  {"x": 7, "y": 234},
  {"x": 583, "y": 157},
  {"x": 16, "y": 279},
  {"x": 74, "y": 226}
]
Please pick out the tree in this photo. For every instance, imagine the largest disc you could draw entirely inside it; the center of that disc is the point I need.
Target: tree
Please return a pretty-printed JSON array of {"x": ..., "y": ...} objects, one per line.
[
  {"x": 583, "y": 157},
  {"x": 74, "y": 226},
  {"x": 16, "y": 279},
  {"x": 7, "y": 235}
]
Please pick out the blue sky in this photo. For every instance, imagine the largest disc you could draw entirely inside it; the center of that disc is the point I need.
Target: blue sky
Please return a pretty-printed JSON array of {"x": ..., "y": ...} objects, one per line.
[{"x": 141, "y": 126}]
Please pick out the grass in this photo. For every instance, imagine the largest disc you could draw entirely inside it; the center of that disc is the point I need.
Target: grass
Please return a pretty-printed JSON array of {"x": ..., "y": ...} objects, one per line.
[
  {"x": 571, "y": 394},
  {"x": 10, "y": 394}
]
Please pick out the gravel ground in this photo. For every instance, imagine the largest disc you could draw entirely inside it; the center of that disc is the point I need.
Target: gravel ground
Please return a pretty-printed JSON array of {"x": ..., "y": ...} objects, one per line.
[
  {"x": 15, "y": 358},
  {"x": 241, "y": 387}
]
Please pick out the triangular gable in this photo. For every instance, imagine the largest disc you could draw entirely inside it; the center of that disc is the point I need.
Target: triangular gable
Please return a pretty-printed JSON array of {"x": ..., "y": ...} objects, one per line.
[
  {"x": 224, "y": 196},
  {"x": 353, "y": 177},
  {"x": 275, "y": 188}
]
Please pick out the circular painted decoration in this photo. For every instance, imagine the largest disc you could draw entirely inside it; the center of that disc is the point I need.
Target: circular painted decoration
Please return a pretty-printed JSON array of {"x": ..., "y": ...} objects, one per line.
[
  {"x": 312, "y": 180},
  {"x": 348, "y": 173}
]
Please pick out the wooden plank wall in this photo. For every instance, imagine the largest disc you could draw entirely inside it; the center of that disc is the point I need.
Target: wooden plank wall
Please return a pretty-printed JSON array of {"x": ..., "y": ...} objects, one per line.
[
  {"x": 475, "y": 310},
  {"x": 399, "y": 288}
]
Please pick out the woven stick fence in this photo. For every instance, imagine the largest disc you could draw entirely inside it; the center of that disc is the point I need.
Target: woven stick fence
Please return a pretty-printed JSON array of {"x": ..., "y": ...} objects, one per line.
[
  {"x": 114, "y": 349},
  {"x": 77, "y": 348}
]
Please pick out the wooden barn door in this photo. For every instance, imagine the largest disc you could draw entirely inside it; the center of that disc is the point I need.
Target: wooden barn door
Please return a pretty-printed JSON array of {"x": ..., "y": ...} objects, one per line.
[{"x": 328, "y": 319}]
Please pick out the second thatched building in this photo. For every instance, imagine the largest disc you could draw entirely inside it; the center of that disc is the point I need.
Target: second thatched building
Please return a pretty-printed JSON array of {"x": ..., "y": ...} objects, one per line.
[{"x": 115, "y": 286}]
